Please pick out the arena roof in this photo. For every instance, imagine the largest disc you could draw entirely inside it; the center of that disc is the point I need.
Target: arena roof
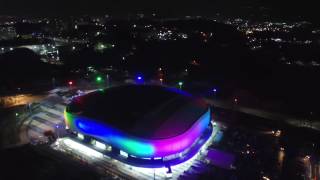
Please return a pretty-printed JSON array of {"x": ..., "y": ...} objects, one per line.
[{"x": 151, "y": 112}]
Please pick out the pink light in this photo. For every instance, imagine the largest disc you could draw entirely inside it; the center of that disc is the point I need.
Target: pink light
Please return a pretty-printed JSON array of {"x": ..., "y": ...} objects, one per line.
[{"x": 138, "y": 146}]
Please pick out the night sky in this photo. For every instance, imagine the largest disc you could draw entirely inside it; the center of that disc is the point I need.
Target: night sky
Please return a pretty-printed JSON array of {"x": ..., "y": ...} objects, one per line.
[{"x": 291, "y": 9}]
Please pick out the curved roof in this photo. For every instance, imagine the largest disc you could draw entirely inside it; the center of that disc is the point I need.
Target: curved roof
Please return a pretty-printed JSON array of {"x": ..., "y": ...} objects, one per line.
[{"x": 145, "y": 111}]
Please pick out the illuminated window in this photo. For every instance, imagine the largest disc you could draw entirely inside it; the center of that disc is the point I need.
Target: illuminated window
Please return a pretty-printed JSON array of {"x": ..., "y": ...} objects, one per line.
[
  {"x": 100, "y": 145},
  {"x": 93, "y": 142},
  {"x": 173, "y": 156},
  {"x": 80, "y": 136},
  {"x": 109, "y": 148},
  {"x": 146, "y": 158},
  {"x": 124, "y": 154},
  {"x": 82, "y": 148}
]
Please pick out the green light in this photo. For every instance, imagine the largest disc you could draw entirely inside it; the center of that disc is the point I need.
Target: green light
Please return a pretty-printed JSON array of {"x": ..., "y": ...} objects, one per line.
[
  {"x": 99, "y": 79},
  {"x": 180, "y": 83},
  {"x": 136, "y": 147}
]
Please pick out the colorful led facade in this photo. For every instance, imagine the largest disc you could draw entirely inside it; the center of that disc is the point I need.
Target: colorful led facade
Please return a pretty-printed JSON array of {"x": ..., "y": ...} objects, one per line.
[
  {"x": 187, "y": 117},
  {"x": 137, "y": 146}
]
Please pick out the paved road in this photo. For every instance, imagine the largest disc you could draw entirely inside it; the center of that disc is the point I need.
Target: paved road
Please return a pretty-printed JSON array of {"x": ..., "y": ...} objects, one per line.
[{"x": 265, "y": 114}]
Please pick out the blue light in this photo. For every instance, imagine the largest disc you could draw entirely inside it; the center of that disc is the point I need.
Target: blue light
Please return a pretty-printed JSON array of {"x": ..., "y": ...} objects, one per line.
[
  {"x": 138, "y": 146},
  {"x": 139, "y": 79},
  {"x": 214, "y": 90}
]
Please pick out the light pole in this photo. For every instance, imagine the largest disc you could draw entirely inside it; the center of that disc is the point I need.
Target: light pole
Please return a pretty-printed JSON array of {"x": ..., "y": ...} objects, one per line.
[
  {"x": 57, "y": 127},
  {"x": 108, "y": 80},
  {"x": 139, "y": 79},
  {"x": 180, "y": 84},
  {"x": 214, "y": 91},
  {"x": 17, "y": 116},
  {"x": 70, "y": 84}
]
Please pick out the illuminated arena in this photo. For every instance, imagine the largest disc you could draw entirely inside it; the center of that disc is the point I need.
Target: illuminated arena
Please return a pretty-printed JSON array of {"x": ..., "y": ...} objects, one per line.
[{"x": 141, "y": 125}]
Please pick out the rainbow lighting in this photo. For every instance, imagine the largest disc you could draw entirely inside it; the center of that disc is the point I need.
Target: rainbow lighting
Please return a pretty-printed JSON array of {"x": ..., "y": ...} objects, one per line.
[
  {"x": 138, "y": 146},
  {"x": 172, "y": 149}
]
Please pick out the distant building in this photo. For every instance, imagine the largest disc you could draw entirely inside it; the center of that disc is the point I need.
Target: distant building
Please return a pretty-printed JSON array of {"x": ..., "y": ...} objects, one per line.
[{"x": 7, "y": 32}]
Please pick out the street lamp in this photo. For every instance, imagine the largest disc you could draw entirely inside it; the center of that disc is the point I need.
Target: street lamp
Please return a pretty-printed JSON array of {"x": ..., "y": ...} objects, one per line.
[
  {"x": 214, "y": 90},
  {"x": 139, "y": 79},
  {"x": 161, "y": 80},
  {"x": 180, "y": 84},
  {"x": 236, "y": 100}
]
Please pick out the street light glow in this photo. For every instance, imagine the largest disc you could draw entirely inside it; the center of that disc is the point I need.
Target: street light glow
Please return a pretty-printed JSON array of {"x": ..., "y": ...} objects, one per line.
[
  {"x": 99, "y": 79},
  {"x": 180, "y": 83}
]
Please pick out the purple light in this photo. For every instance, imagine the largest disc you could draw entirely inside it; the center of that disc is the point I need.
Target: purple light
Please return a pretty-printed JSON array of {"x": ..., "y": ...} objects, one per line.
[
  {"x": 138, "y": 146},
  {"x": 139, "y": 77},
  {"x": 220, "y": 158},
  {"x": 214, "y": 90}
]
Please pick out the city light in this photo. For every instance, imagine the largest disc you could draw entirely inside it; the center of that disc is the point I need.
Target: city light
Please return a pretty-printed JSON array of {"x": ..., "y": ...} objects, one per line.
[
  {"x": 180, "y": 84},
  {"x": 82, "y": 148},
  {"x": 134, "y": 146},
  {"x": 70, "y": 83},
  {"x": 100, "y": 145},
  {"x": 80, "y": 136},
  {"x": 161, "y": 80},
  {"x": 124, "y": 154},
  {"x": 99, "y": 79},
  {"x": 139, "y": 79},
  {"x": 265, "y": 178}
]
